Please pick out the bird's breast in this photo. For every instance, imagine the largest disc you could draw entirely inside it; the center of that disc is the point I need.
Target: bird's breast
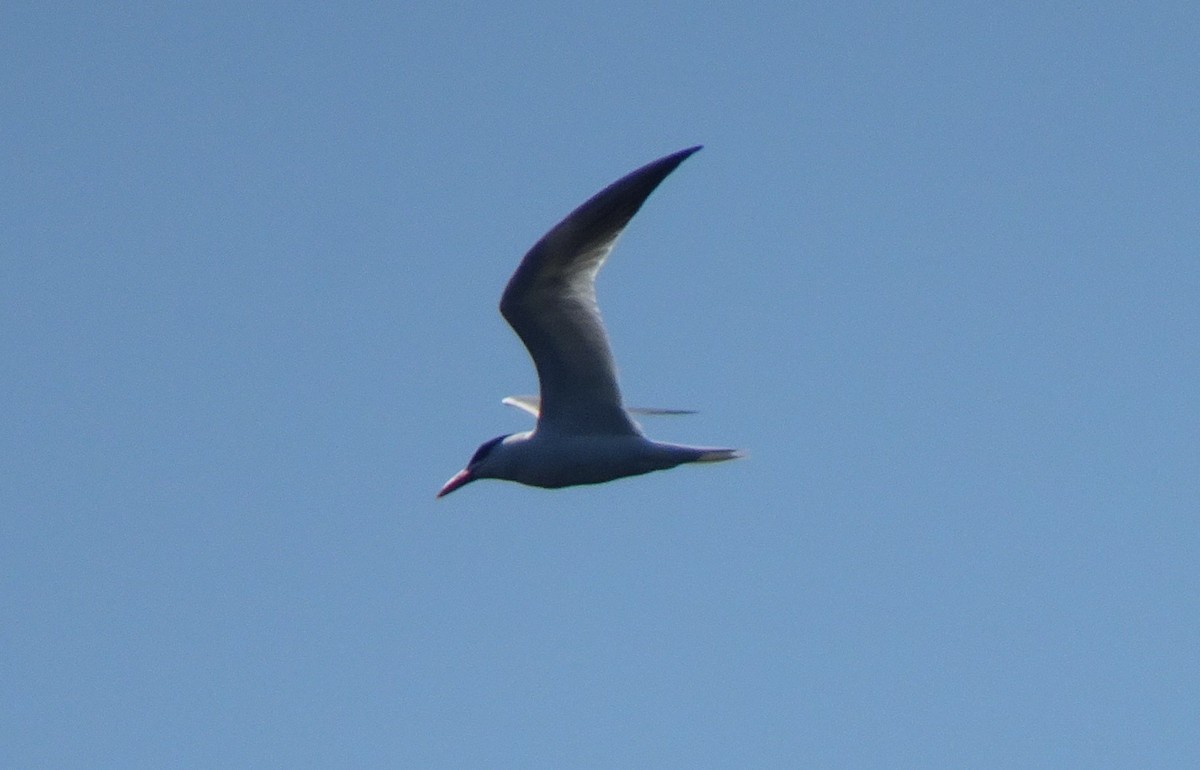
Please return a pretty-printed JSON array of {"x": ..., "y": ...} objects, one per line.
[{"x": 561, "y": 461}]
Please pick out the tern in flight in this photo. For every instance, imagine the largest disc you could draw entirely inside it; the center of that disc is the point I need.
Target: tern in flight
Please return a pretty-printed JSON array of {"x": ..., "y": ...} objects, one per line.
[{"x": 584, "y": 434}]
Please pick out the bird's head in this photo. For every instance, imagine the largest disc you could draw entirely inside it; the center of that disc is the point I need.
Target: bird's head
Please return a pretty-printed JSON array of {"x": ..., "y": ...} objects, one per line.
[{"x": 478, "y": 467}]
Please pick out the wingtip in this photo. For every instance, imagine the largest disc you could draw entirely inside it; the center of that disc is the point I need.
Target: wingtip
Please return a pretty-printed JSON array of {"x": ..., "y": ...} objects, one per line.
[
  {"x": 530, "y": 404},
  {"x": 651, "y": 175},
  {"x": 685, "y": 153}
]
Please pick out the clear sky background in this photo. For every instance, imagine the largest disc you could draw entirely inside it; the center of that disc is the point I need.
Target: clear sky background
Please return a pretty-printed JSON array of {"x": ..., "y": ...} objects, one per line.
[{"x": 937, "y": 270}]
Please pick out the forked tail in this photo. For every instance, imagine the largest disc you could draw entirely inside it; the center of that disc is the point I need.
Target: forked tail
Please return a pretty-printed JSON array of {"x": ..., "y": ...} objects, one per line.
[{"x": 718, "y": 455}]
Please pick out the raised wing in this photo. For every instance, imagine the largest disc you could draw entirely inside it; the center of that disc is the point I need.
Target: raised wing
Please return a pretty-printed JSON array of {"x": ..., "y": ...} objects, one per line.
[{"x": 550, "y": 302}]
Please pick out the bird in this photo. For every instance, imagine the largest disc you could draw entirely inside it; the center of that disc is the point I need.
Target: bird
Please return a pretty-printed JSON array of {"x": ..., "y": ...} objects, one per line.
[{"x": 584, "y": 434}]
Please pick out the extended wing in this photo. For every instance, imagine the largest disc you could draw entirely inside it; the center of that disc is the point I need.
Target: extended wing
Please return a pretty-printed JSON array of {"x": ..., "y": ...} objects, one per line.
[{"x": 550, "y": 302}]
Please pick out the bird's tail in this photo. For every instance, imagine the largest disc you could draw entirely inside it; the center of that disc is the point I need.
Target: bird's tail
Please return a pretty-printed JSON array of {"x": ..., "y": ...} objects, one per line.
[{"x": 717, "y": 455}]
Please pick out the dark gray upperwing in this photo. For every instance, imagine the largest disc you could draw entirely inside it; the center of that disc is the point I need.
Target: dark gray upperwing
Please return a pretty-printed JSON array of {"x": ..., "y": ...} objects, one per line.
[{"x": 550, "y": 302}]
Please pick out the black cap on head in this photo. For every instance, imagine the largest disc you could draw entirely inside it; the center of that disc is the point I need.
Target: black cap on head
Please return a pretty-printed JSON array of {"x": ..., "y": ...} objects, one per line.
[{"x": 485, "y": 448}]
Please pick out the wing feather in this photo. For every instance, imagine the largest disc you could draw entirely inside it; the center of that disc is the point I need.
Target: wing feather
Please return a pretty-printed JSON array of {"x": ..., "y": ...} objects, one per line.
[{"x": 550, "y": 302}]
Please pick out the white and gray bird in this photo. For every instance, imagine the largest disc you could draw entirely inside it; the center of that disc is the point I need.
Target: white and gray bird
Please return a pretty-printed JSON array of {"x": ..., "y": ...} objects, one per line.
[{"x": 584, "y": 434}]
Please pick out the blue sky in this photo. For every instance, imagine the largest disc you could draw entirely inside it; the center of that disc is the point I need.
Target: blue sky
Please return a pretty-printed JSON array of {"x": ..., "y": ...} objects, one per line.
[{"x": 935, "y": 270}]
